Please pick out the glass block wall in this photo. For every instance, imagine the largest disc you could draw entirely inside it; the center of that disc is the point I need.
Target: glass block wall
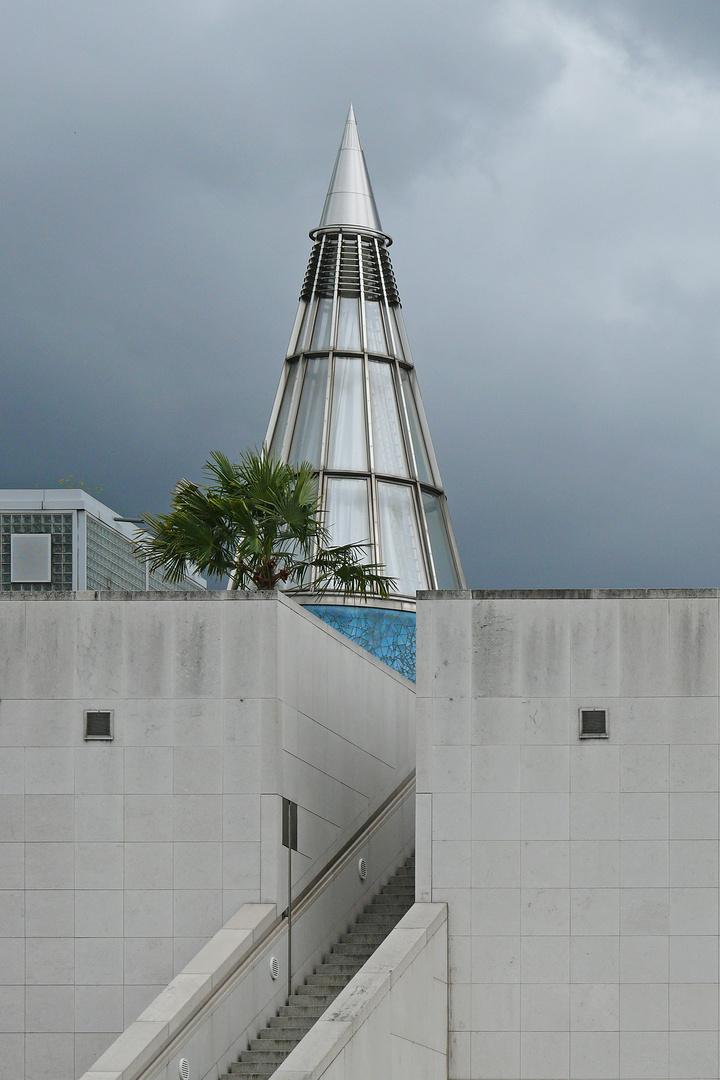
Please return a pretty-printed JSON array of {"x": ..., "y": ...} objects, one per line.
[
  {"x": 111, "y": 563},
  {"x": 110, "y": 560},
  {"x": 60, "y": 527}
]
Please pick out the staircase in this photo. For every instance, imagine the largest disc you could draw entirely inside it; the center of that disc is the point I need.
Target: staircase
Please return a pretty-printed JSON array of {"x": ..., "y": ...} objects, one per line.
[{"x": 310, "y": 1001}]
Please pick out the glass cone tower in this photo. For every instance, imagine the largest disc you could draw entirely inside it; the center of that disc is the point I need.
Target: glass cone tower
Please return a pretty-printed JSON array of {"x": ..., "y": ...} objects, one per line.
[{"x": 349, "y": 403}]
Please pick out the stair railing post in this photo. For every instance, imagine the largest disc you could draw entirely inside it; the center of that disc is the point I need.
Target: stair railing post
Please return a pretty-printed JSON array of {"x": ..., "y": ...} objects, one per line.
[{"x": 289, "y": 958}]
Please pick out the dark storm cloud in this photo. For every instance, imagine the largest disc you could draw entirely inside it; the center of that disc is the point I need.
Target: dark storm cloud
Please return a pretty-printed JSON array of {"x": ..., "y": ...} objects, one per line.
[{"x": 549, "y": 172}]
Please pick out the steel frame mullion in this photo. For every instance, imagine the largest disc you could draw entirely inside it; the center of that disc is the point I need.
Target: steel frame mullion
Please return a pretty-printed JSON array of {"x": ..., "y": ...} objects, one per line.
[
  {"x": 389, "y": 328},
  {"x": 336, "y": 286},
  {"x": 431, "y": 573},
  {"x": 302, "y": 308},
  {"x": 314, "y": 298},
  {"x": 294, "y": 409},
  {"x": 422, "y": 418},
  {"x": 329, "y": 383},
  {"x": 363, "y": 326}
]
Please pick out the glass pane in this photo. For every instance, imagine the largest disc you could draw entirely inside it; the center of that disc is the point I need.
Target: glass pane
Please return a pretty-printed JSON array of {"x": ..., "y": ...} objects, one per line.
[
  {"x": 394, "y": 314},
  {"x": 304, "y": 328},
  {"x": 421, "y": 454},
  {"x": 307, "y": 438},
  {"x": 347, "y": 517},
  {"x": 376, "y": 342},
  {"x": 281, "y": 422},
  {"x": 348, "y": 334},
  {"x": 348, "y": 444},
  {"x": 439, "y": 543},
  {"x": 386, "y": 430},
  {"x": 323, "y": 322},
  {"x": 400, "y": 538}
]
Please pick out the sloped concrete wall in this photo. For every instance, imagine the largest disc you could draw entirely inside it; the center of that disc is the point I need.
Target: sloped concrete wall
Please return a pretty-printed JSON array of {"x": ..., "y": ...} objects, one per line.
[
  {"x": 120, "y": 860},
  {"x": 581, "y": 877}
]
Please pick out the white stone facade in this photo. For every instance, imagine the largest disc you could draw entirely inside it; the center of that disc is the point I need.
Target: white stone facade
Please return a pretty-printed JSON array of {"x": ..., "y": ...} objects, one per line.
[
  {"x": 119, "y": 860},
  {"x": 581, "y": 877}
]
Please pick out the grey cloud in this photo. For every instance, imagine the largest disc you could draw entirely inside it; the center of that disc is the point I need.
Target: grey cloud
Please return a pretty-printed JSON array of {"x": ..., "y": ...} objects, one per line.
[{"x": 689, "y": 33}]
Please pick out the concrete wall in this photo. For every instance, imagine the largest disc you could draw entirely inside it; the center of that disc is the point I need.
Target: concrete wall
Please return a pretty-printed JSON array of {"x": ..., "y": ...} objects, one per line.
[
  {"x": 581, "y": 877},
  {"x": 120, "y": 860}
]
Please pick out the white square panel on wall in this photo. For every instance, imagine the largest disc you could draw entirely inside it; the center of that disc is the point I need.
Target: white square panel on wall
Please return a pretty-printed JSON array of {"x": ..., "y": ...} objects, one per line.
[{"x": 30, "y": 557}]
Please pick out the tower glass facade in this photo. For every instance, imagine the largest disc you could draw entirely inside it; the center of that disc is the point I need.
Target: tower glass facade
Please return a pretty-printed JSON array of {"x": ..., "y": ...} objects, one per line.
[{"x": 349, "y": 402}]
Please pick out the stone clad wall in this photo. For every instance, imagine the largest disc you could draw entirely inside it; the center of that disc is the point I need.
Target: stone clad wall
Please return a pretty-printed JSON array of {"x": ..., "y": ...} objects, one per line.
[
  {"x": 581, "y": 877},
  {"x": 119, "y": 860}
]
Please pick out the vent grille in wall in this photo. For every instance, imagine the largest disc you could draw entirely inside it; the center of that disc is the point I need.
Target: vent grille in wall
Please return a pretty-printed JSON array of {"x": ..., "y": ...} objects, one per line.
[
  {"x": 99, "y": 725},
  {"x": 593, "y": 724}
]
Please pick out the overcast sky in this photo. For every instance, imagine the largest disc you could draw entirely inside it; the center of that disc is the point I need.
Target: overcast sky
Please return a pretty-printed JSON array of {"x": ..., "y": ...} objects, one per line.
[{"x": 549, "y": 171}]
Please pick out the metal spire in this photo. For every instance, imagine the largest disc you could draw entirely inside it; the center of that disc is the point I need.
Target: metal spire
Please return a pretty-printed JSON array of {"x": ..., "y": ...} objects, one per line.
[{"x": 350, "y": 200}]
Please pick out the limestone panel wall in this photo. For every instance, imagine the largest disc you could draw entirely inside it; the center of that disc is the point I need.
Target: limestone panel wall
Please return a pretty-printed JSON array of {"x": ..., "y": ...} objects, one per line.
[
  {"x": 119, "y": 860},
  {"x": 581, "y": 876}
]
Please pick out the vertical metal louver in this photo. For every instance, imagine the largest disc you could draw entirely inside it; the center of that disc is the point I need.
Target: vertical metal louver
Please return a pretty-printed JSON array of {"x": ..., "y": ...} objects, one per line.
[{"x": 377, "y": 271}]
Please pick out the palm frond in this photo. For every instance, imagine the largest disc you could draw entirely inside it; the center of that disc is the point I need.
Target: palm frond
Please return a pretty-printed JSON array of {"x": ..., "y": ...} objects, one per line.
[{"x": 259, "y": 521}]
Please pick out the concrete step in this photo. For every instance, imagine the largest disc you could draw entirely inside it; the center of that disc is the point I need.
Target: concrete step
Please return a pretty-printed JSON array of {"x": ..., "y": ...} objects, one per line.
[
  {"x": 339, "y": 965},
  {"x": 252, "y": 1070},
  {"x": 264, "y": 1057},
  {"x": 307, "y": 1008},
  {"x": 294, "y": 1032},
  {"x": 297, "y": 1023},
  {"x": 390, "y": 907},
  {"x": 350, "y": 949},
  {"x": 383, "y": 923},
  {"x": 275, "y": 1038},
  {"x": 318, "y": 995},
  {"x": 357, "y": 936},
  {"x": 280, "y": 1046},
  {"x": 323, "y": 978}
]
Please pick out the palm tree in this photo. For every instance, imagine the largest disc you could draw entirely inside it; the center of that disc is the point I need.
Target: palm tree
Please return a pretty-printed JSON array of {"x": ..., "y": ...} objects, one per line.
[{"x": 258, "y": 521}]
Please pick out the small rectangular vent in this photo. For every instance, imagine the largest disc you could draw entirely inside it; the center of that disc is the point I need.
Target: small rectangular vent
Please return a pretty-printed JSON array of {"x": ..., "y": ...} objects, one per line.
[
  {"x": 593, "y": 724},
  {"x": 98, "y": 725}
]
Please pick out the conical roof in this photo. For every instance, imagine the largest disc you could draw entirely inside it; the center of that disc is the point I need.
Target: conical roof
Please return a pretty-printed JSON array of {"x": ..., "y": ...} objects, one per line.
[
  {"x": 349, "y": 401},
  {"x": 350, "y": 200}
]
